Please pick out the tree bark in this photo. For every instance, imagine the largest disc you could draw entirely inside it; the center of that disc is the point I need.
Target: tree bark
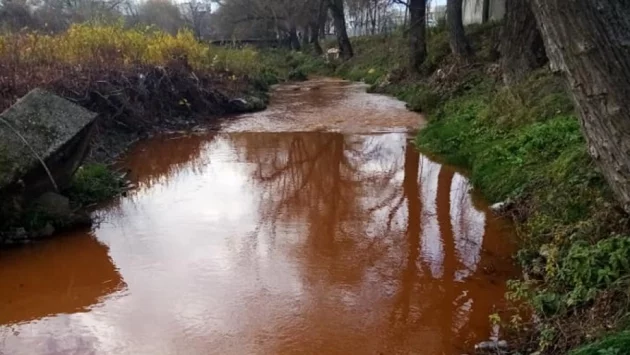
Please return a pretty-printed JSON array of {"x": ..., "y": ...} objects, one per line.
[
  {"x": 339, "y": 19},
  {"x": 522, "y": 48},
  {"x": 458, "y": 41},
  {"x": 305, "y": 37},
  {"x": 589, "y": 41},
  {"x": 314, "y": 39},
  {"x": 316, "y": 27},
  {"x": 485, "y": 17},
  {"x": 417, "y": 34},
  {"x": 294, "y": 39}
]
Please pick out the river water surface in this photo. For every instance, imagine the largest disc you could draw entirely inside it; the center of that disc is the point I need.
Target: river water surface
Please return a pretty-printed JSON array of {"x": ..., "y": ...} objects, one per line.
[{"x": 311, "y": 228}]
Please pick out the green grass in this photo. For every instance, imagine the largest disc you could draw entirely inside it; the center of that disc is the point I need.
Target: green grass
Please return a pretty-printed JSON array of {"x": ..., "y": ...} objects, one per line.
[
  {"x": 525, "y": 144},
  {"x": 616, "y": 344},
  {"x": 93, "y": 183},
  {"x": 282, "y": 65}
]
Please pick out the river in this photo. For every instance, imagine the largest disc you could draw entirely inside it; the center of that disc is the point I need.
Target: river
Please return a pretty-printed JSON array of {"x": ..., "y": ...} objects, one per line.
[{"x": 314, "y": 227}]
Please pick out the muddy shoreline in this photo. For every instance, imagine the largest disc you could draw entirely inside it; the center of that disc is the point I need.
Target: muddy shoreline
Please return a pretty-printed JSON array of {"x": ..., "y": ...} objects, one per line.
[{"x": 192, "y": 102}]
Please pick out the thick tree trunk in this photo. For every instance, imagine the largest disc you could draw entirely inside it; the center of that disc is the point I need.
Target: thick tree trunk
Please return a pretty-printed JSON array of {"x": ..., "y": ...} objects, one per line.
[
  {"x": 522, "y": 48},
  {"x": 485, "y": 17},
  {"x": 417, "y": 34},
  {"x": 589, "y": 41},
  {"x": 317, "y": 26},
  {"x": 339, "y": 18},
  {"x": 314, "y": 39},
  {"x": 458, "y": 41}
]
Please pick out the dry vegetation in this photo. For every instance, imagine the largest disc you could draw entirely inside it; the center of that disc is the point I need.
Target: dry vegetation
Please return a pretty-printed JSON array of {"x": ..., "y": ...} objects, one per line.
[{"x": 139, "y": 79}]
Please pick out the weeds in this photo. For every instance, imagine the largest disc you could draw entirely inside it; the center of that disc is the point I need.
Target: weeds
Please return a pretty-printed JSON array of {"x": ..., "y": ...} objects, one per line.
[
  {"x": 617, "y": 344},
  {"x": 526, "y": 145},
  {"x": 93, "y": 183}
]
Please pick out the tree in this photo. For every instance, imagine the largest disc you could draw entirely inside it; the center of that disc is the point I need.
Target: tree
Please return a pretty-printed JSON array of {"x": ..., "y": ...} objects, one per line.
[
  {"x": 588, "y": 40},
  {"x": 161, "y": 13},
  {"x": 259, "y": 18},
  {"x": 522, "y": 48},
  {"x": 316, "y": 25},
  {"x": 458, "y": 41},
  {"x": 15, "y": 15},
  {"x": 417, "y": 34},
  {"x": 339, "y": 18},
  {"x": 197, "y": 14},
  {"x": 485, "y": 17}
]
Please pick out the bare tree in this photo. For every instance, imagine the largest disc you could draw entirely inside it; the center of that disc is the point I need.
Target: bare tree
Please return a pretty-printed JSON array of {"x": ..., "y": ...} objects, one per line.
[
  {"x": 285, "y": 18},
  {"x": 197, "y": 15},
  {"x": 15, "y": 15},
  {"x": 55, "y": 15},
  {"x": 161, "y": 13}
]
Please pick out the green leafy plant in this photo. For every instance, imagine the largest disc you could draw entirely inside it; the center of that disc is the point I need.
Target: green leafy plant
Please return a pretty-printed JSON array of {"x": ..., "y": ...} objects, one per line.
[{"x": 93, "y": 183}]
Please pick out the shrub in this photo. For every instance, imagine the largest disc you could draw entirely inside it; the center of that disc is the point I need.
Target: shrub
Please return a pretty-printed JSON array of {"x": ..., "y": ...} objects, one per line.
[{"x": 115, "y": 45}]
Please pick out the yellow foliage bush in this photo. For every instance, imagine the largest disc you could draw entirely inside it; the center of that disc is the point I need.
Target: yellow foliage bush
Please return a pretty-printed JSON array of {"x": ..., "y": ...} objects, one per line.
[{"x": 99, "y": 44}]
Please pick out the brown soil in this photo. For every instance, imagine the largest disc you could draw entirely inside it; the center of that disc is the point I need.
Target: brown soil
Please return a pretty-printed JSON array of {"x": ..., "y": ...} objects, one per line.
[{"x": 133, "y": 102}]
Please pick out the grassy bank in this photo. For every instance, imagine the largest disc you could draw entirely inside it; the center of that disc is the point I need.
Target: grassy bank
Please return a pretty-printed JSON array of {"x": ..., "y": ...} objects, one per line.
[{"x": 523, "y": 145}]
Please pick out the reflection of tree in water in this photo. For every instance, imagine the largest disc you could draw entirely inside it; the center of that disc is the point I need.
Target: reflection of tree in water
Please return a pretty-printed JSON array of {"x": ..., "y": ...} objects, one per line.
[
  {"x": 157, "y": 160},
  {"x": 368, "y": 206},
  {"x": 369, "y": 221},
  {"x": 307, "y": 181}
]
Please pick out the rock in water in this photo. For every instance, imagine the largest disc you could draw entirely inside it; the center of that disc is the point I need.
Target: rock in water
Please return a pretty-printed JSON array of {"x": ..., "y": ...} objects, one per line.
[
  {"x": 44, "y": 126},
  {"x": 251, "y": 104},
  {"x": 239, "y": 104},
  {"x": 491, "y": 347},
  {"x": 501, "y": 206},
  {"x": 54, "y": 205}
]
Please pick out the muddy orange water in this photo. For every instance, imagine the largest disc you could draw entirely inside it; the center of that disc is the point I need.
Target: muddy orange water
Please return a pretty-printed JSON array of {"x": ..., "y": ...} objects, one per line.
[{"x": 271, "y": 242}]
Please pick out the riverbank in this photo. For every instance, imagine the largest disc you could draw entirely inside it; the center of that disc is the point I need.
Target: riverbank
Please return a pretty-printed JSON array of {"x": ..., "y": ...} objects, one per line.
[
  {"x": 318, "y": 213},
  {"x": 524, "y": 148},
  {"x": 140, "y": 82}
]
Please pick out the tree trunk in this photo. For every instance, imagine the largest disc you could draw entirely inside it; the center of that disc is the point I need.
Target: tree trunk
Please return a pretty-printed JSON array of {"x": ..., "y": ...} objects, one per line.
[
  {"x": 314, "y": 39},
  {"x": 373, "y": 15},
  {"x": 317, "y": 26},
  {"x": 417, "y": 34},
  {"x": 339, "y": 18},
  {"x": 588, "y": 40},
  {"x": 485, "y": 17},
  {"x": 306, "y": 36},
  {"x": 458, "y": 41},
  {"x": 294, "y": 39},
  {"x": 522, "y": 48}
]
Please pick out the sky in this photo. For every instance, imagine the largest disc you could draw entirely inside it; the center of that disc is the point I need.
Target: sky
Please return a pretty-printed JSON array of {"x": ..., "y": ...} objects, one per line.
[{"x": 438, "y": 2}]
